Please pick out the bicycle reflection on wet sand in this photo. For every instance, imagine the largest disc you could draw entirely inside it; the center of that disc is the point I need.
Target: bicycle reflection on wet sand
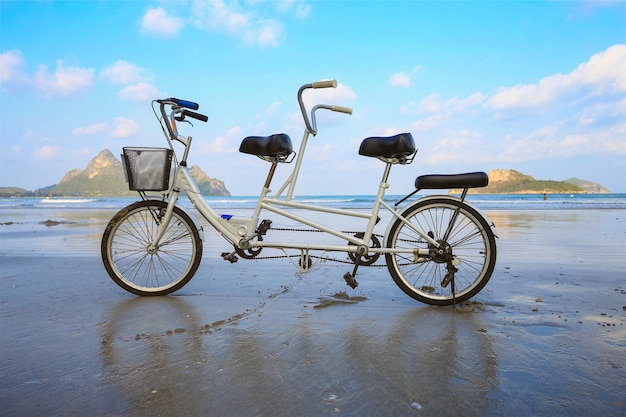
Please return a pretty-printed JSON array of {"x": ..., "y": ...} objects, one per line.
[{"x": 159, "y": 357}]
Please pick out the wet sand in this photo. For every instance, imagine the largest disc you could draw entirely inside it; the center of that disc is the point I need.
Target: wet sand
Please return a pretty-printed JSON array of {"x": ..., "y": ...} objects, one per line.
[{"x": 546, "y": 337}]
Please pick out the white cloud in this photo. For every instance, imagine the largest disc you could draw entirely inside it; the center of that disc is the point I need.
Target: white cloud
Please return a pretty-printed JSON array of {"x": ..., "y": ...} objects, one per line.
[
  {"x": 90, "y": 130},
  {"x": 434, "y": 104},
  {"x": 123, "y": 72},
  {"x": 403, "y": 79},
  {"x": 125, "y": 127},
  {"x": 228, "y": 143},
  {"x": 400, "y": 80},
  {"x": 270, "y": 111},
  {"x": 582, "y": 113},
  {"x": 254, "y": 23},
  {"x": 65, "y": 81},
  {"x": 441, "y": 112},
  {"x": 11, "y": 63},
  {"x": 46, "y": 152},
  {"x": 429, "y": 123},
  {"x": 558, "y": 140},
  {"x": 603, "y": 74},
  {"x": 455, "y": 146},
  {"x": 268, "y": 35},
  {"x": 158, "y": 22},
  {"x": 583, "y": 9},
  {"x": 139, "y": 92},
  {"x": 299, "y": 7}
]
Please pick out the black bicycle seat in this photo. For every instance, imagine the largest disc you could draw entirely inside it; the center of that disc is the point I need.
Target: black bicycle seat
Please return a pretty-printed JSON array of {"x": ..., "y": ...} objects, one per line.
[
  {"x": 395, "y": 149},
  {"x": 275, "y": 147},
  {"x": 438, "y": 182}
]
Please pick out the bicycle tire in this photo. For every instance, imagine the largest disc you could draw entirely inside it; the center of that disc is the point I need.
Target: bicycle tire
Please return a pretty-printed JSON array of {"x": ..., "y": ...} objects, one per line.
[
  {"x": 129, "y": 264},
  {"x": 472, "y": 242}
]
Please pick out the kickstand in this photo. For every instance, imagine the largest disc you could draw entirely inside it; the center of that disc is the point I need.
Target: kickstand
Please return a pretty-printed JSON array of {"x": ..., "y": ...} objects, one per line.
[
  {"x": 449, "y": 279},
  {"x": 453, "y": 288}
]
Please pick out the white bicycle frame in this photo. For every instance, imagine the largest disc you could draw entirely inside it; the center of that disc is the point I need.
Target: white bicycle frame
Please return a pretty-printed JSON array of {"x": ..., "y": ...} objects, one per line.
[{"x": 241, "y": 231}]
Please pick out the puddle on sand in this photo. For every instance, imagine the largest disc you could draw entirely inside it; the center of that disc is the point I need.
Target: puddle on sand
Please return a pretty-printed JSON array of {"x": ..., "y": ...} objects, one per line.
[
  {"x": 542, "y": 329},
  {"x": 338, "y": 298}
]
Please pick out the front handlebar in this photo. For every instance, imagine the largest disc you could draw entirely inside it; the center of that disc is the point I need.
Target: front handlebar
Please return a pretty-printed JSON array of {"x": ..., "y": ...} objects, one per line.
[
  {"x": 179, "y": 113},
  {"x": 193, "y": 115},
  {"x": 182, "y": 103}
]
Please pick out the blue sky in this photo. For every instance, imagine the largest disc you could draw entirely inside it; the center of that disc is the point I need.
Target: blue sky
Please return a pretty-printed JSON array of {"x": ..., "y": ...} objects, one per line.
[{"x": 536, "y": 86}]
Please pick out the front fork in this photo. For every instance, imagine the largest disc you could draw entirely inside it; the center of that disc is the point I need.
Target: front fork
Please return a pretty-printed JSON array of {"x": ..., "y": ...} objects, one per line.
[{"x": 162, "y": 219}]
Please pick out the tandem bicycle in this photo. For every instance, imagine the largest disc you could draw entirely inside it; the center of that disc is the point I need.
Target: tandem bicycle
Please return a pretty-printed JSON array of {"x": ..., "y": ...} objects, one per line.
[{"x": 438, "y": 249}]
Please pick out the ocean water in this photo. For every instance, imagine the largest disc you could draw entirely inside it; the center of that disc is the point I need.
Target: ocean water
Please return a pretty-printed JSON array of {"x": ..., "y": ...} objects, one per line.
[{"x": 485, "y": 202}]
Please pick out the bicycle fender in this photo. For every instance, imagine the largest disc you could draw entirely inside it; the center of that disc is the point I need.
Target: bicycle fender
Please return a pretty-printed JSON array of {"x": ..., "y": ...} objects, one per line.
[{"x": 447, "y": 196}]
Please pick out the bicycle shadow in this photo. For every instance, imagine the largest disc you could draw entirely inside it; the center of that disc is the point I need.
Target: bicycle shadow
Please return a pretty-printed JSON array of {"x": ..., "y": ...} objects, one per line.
[
  {"x": 159, "y": 357},
  {"x": 150, "y": 349},
  {"x": 380, "y": 364}
]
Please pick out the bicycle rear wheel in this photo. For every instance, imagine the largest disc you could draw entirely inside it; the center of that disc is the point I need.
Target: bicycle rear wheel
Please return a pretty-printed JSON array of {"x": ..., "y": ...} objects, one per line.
[
  {"x": 127, "y": 260},
  {"x": 472, "y": 242}
]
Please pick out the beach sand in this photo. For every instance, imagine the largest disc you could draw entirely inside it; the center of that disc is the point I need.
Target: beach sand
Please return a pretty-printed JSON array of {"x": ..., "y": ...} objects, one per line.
[{"x": 546, "y": 337}]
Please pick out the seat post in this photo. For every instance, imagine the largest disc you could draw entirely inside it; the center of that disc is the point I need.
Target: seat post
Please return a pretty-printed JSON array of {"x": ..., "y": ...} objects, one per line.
[
  {"x": 386, "y": 172},
  {"x": 270, "y": 174}
]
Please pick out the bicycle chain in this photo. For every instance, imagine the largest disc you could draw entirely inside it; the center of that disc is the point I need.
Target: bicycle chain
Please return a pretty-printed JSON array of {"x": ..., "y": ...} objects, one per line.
[{"x": 323, "y": 258}]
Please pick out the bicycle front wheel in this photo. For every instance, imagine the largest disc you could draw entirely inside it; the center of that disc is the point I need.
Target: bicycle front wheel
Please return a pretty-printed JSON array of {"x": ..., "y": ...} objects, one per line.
[
  {"x": 471, "y": 240},
  {"x": 125, "y": 252}
]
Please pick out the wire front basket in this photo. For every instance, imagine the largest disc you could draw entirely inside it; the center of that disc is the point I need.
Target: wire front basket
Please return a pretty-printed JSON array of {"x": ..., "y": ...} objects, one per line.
[{"x": 147, "y": 169}]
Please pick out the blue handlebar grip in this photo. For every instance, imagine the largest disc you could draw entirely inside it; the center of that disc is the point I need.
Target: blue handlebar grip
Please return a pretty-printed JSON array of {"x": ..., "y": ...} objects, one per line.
[{"x": 184, "y": 103}]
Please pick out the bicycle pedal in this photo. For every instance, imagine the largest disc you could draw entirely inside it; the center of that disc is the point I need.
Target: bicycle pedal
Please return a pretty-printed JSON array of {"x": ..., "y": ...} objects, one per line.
[
  {"x": 352, "y": 283},
  {"x": 230, "y": 257}
]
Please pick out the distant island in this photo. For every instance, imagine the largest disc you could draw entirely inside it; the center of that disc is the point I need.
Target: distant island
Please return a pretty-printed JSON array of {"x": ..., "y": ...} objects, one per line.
[
  {"x": 510, "y": 181},
  {"x": 104, "y": 177}
]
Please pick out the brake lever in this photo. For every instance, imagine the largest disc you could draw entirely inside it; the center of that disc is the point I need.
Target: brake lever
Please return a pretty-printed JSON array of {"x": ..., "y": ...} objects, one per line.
[
  {"x": 180, "y": 117},
  {"x": 183, "y": 119}
]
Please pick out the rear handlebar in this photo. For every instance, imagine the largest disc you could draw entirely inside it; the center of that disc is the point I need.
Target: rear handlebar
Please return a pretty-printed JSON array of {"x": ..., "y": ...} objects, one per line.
[
  {"x": 311, "y": 127},
  {"x": 339, "y": 109},
  {"x": 324, "y": 84}
]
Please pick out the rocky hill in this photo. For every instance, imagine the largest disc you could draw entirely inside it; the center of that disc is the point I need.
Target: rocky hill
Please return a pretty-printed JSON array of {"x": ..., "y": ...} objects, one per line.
[
  {"x": 104, "y": 176},
  {"x": 588, "y": 186},
  {"x": 503, "y": 181},
  {"x": 207, "y": 185}
]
